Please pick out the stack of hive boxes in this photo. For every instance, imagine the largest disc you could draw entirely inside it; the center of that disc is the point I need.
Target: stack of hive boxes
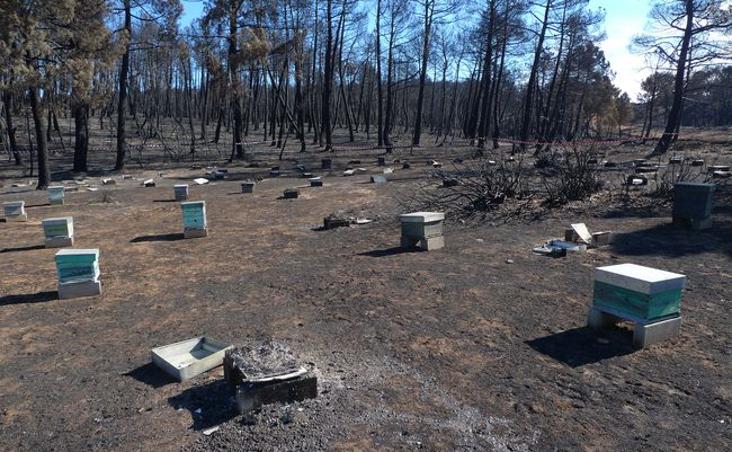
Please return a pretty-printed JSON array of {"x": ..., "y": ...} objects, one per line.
[
  {"x": 194, "y": 219},
  {"x": 58, "y": 232},
  {"x": 422, "y": 229},
  {"x": 56, "y": 194},
  {"x": 15, "y": 211},
  {"x": 648, "y": 297},
  {"x": 78, "y": 273}
]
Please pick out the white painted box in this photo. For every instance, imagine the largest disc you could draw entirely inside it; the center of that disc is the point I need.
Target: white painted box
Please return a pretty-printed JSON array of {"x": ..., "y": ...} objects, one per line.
[{"x": 186, "y": 359}]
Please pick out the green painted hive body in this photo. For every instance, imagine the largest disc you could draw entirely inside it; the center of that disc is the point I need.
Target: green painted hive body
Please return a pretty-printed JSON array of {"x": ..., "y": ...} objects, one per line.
[
  {"x": 637, "y": 293},
  {"x": 77, "y": 265},
  {"x": 693, "y": 201},
  {"x": 58, "y": 227},
  {"x": 194, "y": 214}
]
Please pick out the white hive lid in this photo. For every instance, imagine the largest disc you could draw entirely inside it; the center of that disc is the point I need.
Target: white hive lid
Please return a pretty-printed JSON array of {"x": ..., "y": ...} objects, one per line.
[
  {"x": 638, "y": 278},
  {"x": 422, "y": 217}
]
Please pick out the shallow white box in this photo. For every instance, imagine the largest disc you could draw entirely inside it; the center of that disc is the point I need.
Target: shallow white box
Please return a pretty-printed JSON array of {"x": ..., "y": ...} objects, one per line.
[
  {"x": 422, "y": 217},
  {"x": 641, "y": 279},
  {"x": 187, "y": 359}
]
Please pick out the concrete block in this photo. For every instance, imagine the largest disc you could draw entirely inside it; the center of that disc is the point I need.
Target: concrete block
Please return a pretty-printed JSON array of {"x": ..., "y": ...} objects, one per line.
[
  {"x": 17, "y": 218},
  {"x": 291, "y": 193},
  {"x": 252, "y": 396},
  {"x": 600, "y": 239},
  {"x": 186, "y": 359},
  {"x": 195, "y": 233},
  {"x": 598, "y": 319},
  {"x": 427, "y": 244},
  {"x": 59, "y": 242},
  {"x": 378, "y": 180},
  {"x": 79, "y": 289},
  {"x": 648, "y": 334}
]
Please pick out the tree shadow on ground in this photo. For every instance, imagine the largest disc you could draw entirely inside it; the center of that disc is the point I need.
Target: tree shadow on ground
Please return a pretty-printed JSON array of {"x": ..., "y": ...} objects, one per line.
[
  {"x": 150, "y": 375},
  {"x": 210, "y": 404},
  {"x": 22, "y": 248},
  {"x": 29, "y": 298},
  {"x": 159, "y": 238},
  {"x": 674, "y": 241},
  {"x": 390, "y": 251},
  {"x": 580, "y": 346}
]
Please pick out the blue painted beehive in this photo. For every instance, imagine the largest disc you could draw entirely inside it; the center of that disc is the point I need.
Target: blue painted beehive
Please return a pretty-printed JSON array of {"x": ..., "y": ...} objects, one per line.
[
  {"x": 194, "y": 214},
  {"x": 77, "y": 265}
]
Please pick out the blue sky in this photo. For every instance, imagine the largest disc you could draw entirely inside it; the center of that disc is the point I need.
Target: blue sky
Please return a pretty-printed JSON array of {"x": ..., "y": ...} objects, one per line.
[{"x": 623, "y": 20}]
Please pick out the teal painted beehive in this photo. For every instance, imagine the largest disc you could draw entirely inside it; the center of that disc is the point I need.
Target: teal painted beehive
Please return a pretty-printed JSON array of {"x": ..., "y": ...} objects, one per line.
[
  {"x": 194, "y": 215},
  {"x": 638, "y": 293},
  {"x": 77, "y": 265},
  {"x": 58, "y": 227},
  {"x": 56, "y": 194}
]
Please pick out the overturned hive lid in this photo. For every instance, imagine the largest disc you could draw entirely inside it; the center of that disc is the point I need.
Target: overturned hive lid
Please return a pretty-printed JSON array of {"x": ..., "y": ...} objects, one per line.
[
  {"x": 582, "y": 232},
  {"x": 261, "y": 362},
  {"x": 422, "y": 217}
]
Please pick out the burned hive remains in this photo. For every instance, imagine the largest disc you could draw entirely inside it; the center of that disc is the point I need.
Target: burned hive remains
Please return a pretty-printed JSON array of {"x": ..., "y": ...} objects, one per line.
[{"x": 266, "y": 372}]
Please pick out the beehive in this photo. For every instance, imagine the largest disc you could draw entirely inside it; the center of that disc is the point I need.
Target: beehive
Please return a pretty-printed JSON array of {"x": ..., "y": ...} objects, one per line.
[
  {"x": 181, "y": 192},
  {"x": 58, "y": 232},
  {"x": 693, "y": 204},
  {"x": 77, "y": 265},
  {"x": 637, "y": 293},
  {"x": 56, "y": 194},
  {"x": 194, "y": 215}
]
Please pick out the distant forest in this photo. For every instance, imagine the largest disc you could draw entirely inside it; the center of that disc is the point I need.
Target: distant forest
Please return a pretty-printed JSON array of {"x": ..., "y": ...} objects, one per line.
[{"x": 421, "y": 71}]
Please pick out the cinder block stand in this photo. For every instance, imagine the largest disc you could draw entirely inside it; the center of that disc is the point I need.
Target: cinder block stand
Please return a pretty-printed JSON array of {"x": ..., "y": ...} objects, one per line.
[
  {"x": 422, "y": 230},
  {"x": 195, "y": 233},
  {"x": 79, "y": 290}
]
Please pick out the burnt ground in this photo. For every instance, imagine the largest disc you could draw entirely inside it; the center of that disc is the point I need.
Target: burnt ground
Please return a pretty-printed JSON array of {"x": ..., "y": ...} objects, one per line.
[{"x": 481, "y": 345}]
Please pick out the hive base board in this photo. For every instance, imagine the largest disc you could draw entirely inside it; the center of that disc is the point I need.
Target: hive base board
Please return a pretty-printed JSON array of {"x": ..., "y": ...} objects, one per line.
[
  {"x": 79, "y": 290},
  {"x": 427, "y": 244},
  {"x": 17, "y": 218},
  {"x": 59, "y": 242},
  {"x": 195, "y": 233},
  {"x": 644, "y": 334},
  {"x": 252, "y": 396}
]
